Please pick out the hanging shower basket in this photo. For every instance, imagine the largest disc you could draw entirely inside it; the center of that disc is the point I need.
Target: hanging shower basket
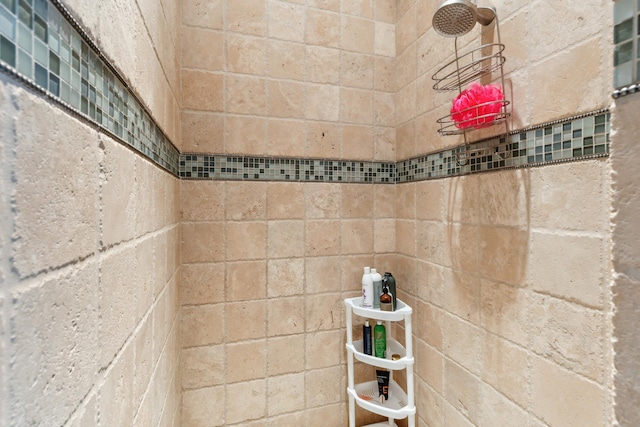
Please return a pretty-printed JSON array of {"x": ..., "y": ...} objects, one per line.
[{"x": 464, "y": 73}]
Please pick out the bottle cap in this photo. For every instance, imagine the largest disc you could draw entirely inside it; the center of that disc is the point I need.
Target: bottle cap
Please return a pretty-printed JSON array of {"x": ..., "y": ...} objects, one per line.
[
  {"x": 379, "y": 322},
  {"x": 395, "y": 356},
  {"x": 366, "y": 322},
  {"x": 367, "y": 270}
]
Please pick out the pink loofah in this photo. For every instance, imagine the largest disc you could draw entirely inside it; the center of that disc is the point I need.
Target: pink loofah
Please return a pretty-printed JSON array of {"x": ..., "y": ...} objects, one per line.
[{"x": 477, "y": 106}]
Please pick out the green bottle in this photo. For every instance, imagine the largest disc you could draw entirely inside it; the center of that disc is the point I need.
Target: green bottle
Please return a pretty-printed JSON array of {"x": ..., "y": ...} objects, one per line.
[{"x": 379, "y": 340}]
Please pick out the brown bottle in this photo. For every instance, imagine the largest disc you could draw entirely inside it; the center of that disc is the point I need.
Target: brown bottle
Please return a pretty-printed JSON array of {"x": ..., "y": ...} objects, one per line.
[{"x": 386, "y": 300}]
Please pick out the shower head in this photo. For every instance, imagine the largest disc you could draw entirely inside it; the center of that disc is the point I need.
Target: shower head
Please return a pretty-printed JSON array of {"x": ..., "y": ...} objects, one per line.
[{"x": 455, "y": 18}]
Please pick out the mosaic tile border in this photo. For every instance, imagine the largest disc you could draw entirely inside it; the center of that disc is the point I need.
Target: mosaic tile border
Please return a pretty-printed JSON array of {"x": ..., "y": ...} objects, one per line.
[
  {"x": 572, "y": 139},
  {"x": 44, "y": 47}
]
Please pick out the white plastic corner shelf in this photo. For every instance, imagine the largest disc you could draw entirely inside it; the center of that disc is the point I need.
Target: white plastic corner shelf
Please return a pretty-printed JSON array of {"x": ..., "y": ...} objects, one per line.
[{"x": 400, "y": 404}]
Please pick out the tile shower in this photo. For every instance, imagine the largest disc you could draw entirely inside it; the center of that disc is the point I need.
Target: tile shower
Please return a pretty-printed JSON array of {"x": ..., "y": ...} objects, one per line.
[{"x": 277, "y": 200}]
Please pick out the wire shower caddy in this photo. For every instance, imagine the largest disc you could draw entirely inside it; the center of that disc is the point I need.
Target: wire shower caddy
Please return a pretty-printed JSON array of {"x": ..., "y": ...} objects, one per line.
[{"x": 466, "y": 68}]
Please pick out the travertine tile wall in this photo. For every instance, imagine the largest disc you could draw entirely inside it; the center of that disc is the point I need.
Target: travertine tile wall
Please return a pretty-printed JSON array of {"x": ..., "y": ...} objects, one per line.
[
  {"x": 265, "y": 269},
  {"x": 509, "y": 271},
  {"x": 267, "y": 264},
  {"x": 89, "y": 243}
]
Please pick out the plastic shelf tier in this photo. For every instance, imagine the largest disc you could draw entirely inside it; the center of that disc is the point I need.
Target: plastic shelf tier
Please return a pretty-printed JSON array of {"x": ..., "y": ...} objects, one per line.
[{"x": 400, "y": 403}]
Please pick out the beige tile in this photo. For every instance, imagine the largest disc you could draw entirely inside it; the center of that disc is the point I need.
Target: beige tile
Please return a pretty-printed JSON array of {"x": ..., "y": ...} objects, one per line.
[
  {"x": 246, "y": 361},
  {"x": 290, "y": 419},
  {"x": 352, "y": 269},
  {"x": 203, "y": 325},
  {"x": 384, "y": 75},
  {"x": 357, "y": 34},
  {"x": 568, "y": 334},
  {"x": 323, "y": 28},
  {"x": 245, "y": 200},
  {"x": 504, "y": 311},
  {"x": 462, "y": 342},
  {"x": 286, "y": 238},
  {"x": 323, "y": 64},
  {"x": 285, "y": 200},
  {"x": 574, "y": 196},
  {"x": 505, "y": 367},
  {"x": 286, "y": 21},
  {"x": 385, "y": 11},
  {"x": 499, "y": 410},
  {"x": 196, "y": 242},
  {"x": 246, "y": 240},
  {"x": 406, "y": 237},
  {"x": 286, "y": 316},
  {"x": 202, "y": 132},
  {"x": 322, "y": 275},
  {"x": 197, "y": 407},
  {"x": 580, "y": 64},
  {"x": 461, "y": 247},
  {"x": 568, "y": 266},
  {"x": 246, "y": 95},
  {"x": 202, "y": 283},
  {"x": 322, "y": 237},
  {"x": 385, "y": 39},
  {"x": 356, "y": 106},
  {"x": 429, "y": 200},
  {"x": 357, "y": 236},
  {"x": 406, "y": 201},
  {"x": 429, "y": 365},
  {"x": 286, "y": 99},
  {"x": 323, "y": 386},
  {"x": 286, "y": 137},
  {"x": 246, "y": 280},
  {"x": 202, "y": 49},
  {"x": 201, "y": 200},
  {"x": 322, "y": 201},
  {"x": 357, "y": 70},
  {"x": 323, "y": 102},
  {"x": 246, "y": 400},
  {"x": 505, "y": 198},
  {"x": 245, "y": 135},
  {"x": 560, "y": 397},
  {"x": 323, "y": 311},
  {"x": 285, "y": 277},
  {"x": 357, "y": 142},
  {"x": 334, "y": 415},
  {"x": 432, "y": 319},
  {"x": 203, "y": 366},
  {"x": 406, "y": 29},
  {"x": 430, "y": 238},
  {"x": 324, "y": 349},
  {"x": 285, "y": 393},
  {"x": 247, "y": 16},
  {"x": 461, "y": 292},
  {"x": 384, "y": 109},
  {"x": 202, "y": 90},
  {"x": 245, "y": 320},
  {"x": 333, "y": 5},
  {"x": 463, "y": 392},
  {"x": 385, "y": 144},
  {"x": 208, "y": 15},
  {"x": 286, "y": 354},
  {"x": 246, "y": 54},
  {"x": 55, "y": 214},
  {"x": 384, "y": 235},
  {"x": 286, "y": 60},
  {"x": 324, "y": 140},
  {"x": 385, "y": 201},
  {"x": 462, "y": 198}
]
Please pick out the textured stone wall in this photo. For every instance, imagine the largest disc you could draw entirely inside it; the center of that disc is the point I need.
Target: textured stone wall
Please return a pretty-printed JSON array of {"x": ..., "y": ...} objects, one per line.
[{"x": 89, "y": 243}]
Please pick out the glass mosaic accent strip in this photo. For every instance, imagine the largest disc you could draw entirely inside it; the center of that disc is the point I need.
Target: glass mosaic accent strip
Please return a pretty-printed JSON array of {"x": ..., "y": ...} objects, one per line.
[
  {"x": 577, "y": 138},
  {"x": 626, "y": 53},
  {"x": 42, "y": 45},
  {"x": 204, "y": 166}
]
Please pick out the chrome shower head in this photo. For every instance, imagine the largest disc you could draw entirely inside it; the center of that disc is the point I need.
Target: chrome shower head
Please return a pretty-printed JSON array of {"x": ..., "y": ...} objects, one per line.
[{"x": 455, "y": 18}]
